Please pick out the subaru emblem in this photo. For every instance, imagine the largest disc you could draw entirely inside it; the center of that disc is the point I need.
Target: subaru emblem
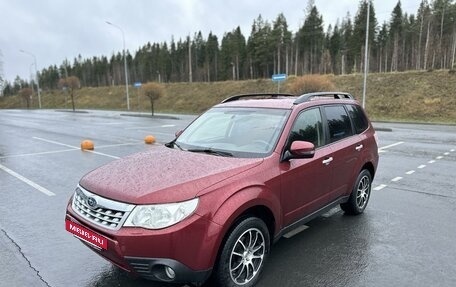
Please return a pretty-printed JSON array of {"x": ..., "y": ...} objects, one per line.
[{"x": 91, "y": 202}]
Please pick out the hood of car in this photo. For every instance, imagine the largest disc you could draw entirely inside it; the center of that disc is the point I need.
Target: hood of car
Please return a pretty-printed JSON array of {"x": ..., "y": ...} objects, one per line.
[{"x": 162, "y": 175}]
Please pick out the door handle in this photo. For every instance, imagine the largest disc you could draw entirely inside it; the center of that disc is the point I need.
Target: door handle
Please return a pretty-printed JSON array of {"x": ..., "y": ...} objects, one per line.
[
  {"x": 327, "y": 160},
  {"x": 359, "y": 147}
]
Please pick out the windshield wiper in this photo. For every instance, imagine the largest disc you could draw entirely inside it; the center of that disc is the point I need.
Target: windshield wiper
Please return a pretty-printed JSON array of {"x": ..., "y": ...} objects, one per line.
[
  {"x": 212, "y": 151},
  {"x": 172, "y": 144}
]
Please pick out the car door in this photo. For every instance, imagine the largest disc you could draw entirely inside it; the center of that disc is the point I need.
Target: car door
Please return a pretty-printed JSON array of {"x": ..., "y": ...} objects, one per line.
[
  {"x": 305, "y": 182},
  {"x": 345, "y": 146}
]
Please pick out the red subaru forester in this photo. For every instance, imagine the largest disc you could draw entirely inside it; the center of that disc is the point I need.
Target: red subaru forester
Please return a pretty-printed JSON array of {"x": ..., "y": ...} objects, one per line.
[{"x": 209, "y": 204}]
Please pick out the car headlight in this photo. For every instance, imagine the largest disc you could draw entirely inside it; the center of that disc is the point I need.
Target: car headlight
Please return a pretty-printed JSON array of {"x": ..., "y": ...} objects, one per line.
[{"x": 159, "y": 216}]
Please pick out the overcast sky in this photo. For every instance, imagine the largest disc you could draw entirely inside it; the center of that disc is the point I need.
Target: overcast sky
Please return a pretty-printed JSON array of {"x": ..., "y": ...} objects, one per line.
[{"x": 53, "y": 30}]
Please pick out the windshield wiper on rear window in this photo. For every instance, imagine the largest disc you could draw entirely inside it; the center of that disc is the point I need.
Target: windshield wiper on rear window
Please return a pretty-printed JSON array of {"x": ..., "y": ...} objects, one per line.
[{"x": 212, "y": 151}]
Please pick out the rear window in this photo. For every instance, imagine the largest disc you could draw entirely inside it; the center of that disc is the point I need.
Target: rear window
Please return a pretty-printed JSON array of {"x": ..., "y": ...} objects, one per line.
[
  {"x": 358, "y": 117},
  {"x": 338, "y": 123}
]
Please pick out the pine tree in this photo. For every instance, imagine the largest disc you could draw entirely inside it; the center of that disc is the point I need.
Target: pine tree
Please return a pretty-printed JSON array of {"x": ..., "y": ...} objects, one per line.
[
  {"x": 281, "y": 37},
  {"x": 335, "y": 49},
  {"x": 347, "y": 58},
  {"x": 311, "y": 37},
  {"x": 359, "y": 33},
  {"x": 260, "y": 47}
]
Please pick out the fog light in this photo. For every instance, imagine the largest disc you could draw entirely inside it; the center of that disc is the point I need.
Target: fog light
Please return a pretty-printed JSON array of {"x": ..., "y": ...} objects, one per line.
[{"x": 170, "y": 272}]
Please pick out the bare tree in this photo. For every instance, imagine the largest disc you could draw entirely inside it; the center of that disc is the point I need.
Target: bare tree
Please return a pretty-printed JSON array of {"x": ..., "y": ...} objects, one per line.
[
  {"x": 71, "y": 83},
  {"x": 153, "y": 91},
  {"x": 26, "y": 94}
]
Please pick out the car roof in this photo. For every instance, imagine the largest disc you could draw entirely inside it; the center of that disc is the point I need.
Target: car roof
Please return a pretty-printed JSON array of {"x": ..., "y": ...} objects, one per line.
[
  {"x": 278, "y": 103},
  {"x": 286, "y": 101}
]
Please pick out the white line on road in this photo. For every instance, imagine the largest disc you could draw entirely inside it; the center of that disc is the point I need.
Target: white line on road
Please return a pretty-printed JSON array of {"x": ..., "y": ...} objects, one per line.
[
  {"x": 396, "y": 179},
  {"x": 27, "y": 181},
  {"x": 388, "y": 146},
  {"x": 54, "y": 142},
  {"x": 452, "y": 150},
  {"x": 431, "y": 161},
  {"x": 447, "y": 153},
  {"x": 380, "y": 187},
  {"x": 422, "y": 166},
  {"x": 37, "y": 153},
  {"x": 74, "y": 147},
  {"x": 104, "y": 154},
  {"x": 410, "y": 172},
  {"x": 439, "y": 157}
]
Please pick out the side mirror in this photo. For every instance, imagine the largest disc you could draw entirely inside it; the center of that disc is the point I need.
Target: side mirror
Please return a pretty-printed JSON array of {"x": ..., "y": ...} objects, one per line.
[
  {"x": 178, "y": 133},
  {"x": 299, "y": 149}
]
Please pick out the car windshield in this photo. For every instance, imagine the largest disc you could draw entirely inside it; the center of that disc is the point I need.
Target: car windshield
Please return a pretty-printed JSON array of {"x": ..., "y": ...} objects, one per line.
[{"x": 238, "y": 132}]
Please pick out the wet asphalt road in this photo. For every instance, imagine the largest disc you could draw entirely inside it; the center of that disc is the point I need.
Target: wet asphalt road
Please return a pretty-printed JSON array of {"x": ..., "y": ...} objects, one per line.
[{"x": 406, "y": 237}]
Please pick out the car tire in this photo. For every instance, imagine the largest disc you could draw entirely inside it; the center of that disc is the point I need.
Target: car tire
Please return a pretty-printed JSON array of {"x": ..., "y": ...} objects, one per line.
[
  {"x": 243, "y": 255},
  {"x": 360, "y": 195}
]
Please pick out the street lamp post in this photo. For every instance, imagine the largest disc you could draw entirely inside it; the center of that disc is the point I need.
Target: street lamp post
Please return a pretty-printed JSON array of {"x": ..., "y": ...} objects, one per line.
[
  {"x": 366, "y": 56},
  {"x": 36, "y": 75},
  {"x": 125, "y": 62},
  {"x": 31, "y": 76}
]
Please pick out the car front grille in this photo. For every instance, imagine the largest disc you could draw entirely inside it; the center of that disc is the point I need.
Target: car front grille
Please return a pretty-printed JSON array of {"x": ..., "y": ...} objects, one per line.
[{"x": 101, "y": 211}]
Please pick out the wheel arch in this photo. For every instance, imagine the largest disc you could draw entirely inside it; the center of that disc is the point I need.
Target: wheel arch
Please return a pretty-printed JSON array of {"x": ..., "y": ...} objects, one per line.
[
  {"x": 257, "y": 205},
  {"x": 370, "y": 167}
]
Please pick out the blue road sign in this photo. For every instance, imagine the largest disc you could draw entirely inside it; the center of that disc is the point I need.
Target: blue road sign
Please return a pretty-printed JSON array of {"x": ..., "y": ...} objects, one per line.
[
  {"x": 137, "y": 85},
  {"x": 279, "y": 77}
]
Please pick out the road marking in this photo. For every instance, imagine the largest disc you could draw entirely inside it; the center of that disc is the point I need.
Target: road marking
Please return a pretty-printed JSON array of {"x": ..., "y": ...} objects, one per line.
[
  {"x": 410, "y": 172},
  {"x": 452, "y": 150},
  {"x": 439, "y": 157},
  {"x": 422, "y": 166},
  {"x": 37, "y": 153},
  {"x": 447, "y": 153},
  {"x": 27, "y": 181},
  {"x": 396, "y": 179},
  {"x": 388, "y": 146},
  {"x": 431, "y": 161},
  {"x": 380, "y": 187},
  {"x": 103, "y": 154},
  {"x": 74, "y": 147},
  {"x": 54, "y": 142}
]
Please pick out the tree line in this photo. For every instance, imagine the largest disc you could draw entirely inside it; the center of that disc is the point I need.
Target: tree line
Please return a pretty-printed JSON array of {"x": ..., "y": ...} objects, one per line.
[{"x": 422, "y": 41}]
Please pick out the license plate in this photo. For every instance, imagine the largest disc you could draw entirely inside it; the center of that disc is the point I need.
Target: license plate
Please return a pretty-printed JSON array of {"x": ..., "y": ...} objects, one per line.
[{"x": 86, "y": 234}]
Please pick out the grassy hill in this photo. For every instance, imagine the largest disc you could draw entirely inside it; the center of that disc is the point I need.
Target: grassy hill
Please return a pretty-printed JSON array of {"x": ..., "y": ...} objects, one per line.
[{"x": 408, "y": 96}]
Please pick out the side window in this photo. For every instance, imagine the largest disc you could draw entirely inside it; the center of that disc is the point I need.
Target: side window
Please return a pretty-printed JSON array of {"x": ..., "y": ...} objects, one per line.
[
  {"x": 359, "y": 119},
  {"x": 338, "y": 123},
  {"x": 308, "y": 127}
]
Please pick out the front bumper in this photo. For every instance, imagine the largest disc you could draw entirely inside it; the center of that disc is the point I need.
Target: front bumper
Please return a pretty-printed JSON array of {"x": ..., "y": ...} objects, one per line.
[
  {"x": 156, "y": 269},
  {"x": 189, "y": 248}
]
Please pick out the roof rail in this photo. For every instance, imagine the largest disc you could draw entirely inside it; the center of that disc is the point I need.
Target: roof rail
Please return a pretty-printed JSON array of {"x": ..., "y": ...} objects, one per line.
[
  {"x": 272, "y": 95},
  {"x": 309, "y": 96}
]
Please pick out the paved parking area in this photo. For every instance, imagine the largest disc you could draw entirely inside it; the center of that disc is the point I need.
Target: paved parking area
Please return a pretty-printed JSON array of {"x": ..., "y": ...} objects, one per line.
[{"x": 405, "y": 238}]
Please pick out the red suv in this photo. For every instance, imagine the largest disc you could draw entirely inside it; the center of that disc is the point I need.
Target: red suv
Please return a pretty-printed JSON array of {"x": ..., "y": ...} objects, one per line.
[{"x": 210, "y": 203}]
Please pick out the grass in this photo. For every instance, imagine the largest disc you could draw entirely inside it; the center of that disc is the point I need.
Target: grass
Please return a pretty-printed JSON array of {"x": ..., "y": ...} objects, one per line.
[{"x": 428, "y": 97}]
